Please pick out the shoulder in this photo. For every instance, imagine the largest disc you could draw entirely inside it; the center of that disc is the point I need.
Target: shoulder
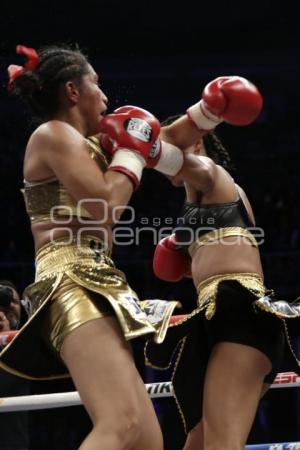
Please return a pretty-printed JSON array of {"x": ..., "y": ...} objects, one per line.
[{"x": 55, "y": 135}]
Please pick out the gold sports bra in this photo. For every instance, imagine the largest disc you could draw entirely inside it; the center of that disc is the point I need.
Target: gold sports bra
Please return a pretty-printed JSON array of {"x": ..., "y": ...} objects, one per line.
[{"x": 48, "y": 199}]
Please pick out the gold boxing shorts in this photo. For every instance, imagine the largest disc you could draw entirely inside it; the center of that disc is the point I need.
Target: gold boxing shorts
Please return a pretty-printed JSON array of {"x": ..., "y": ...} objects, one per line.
[{"x": 77, "y": 282}]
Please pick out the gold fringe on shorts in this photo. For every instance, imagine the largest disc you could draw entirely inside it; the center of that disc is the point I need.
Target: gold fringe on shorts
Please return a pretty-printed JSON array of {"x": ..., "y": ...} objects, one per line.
[{"x": 208, "y": 289}]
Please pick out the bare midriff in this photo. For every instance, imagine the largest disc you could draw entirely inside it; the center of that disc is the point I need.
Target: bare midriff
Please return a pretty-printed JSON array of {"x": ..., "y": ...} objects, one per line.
[
  {"x": 228, "y": 256},
  {"x": 45, "y": 232}
]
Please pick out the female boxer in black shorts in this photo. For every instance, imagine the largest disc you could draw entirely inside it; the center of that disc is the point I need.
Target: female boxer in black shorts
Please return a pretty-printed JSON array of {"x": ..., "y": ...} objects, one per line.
[{"x": 231, "y": 345}]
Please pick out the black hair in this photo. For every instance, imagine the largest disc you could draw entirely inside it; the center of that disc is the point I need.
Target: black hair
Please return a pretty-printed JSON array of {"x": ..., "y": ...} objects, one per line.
[
  {"x": 216, "y": 150},
  {"x": 212, "y": 143},
  {"x": 25, "y": 304},
  {"x": 8, "y": 284},
  {"x": 40, "y": 87}
]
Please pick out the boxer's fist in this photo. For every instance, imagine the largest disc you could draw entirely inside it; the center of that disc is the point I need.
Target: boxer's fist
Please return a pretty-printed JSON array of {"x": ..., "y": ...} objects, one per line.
[
  {"x": 170, "y": 263},
  {"x": 131, "y": 128},
  {"x": 232, "y": 99},
  {"x": 129, "y": 135},
  {"x": 162, "y": 156}
]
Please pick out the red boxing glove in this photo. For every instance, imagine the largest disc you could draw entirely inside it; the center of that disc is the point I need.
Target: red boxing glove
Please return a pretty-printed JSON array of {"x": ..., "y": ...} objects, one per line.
[
  {"x": 132, "y": 128},
  {"x": 132, "y": 132},
  {"x": 233, "y": 99},
  {"x": 163, "y": 157},
  {"x": 108, "y": 144},
  {"x": 170, "y": 263}
]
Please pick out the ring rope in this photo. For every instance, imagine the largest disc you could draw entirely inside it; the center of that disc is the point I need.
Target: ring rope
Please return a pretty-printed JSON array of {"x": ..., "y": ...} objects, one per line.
[
  {"x": 155, "y": 390},
  {"x": 280, "y": 446}
]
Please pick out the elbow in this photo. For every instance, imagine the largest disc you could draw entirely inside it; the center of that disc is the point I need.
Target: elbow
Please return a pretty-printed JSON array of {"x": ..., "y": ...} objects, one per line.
[
  {"x": 112, "y": 216},
  {"x": 114, "y": 212}
]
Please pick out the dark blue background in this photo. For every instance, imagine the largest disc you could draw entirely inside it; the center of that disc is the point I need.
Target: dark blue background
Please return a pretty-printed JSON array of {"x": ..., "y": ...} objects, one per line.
[{"x": 160, "y": 55}]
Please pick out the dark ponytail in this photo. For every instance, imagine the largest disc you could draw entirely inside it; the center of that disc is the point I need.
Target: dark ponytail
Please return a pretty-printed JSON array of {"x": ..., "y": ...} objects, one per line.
[
  {"x": 40, "y": 87},
  {"x": 216, "y": 150}
]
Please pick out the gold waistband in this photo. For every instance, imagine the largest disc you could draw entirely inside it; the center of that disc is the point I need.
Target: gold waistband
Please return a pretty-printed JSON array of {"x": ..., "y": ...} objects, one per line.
[
  {"x": 207, "y": 289},
  {"x": 216, "y": 235},
  {"x": 57, "y": 256}
]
